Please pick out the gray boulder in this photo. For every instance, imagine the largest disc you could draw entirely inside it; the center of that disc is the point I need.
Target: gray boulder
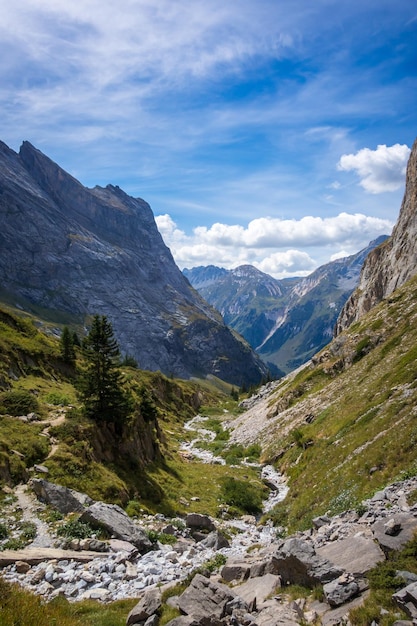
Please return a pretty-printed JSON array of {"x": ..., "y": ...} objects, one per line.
[
  {"x": 215, "y": 540},
  {"x": 405, "y": 524},
  {"x": 406, "y": 599},
  {"x": 196, "y": 521},
  {"x": 205, "y": 598},
  {"x": 355, "y": 554},
  {"x": 341, "y": 590},
  {"x": 147, "y": 607},
  {"x": 116, "y": 522},
  {"x": 297, "y": 563},
  {"x": 256, "y": 590},
  {"x": 63, "y": 499}
]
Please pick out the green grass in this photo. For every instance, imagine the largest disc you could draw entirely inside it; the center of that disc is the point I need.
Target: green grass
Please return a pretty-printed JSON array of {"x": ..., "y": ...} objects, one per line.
[
  {"x": 18, "y": 606},
  {"x": 364, "y": 417}
]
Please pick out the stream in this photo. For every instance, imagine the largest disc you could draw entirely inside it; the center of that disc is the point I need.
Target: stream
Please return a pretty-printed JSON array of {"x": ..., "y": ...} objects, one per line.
[{"x": 274, "y": 480}]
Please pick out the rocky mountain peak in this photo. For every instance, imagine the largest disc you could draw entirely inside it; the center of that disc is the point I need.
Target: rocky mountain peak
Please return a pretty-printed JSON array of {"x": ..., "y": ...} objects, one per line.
[
  {"x": 391, "y": 264},
  {"x": 76, "y": 252}
]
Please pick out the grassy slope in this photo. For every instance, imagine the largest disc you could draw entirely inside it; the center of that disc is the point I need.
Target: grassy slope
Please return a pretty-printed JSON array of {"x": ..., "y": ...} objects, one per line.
[
  {"x": 30, "y": 361},
  {"x": 362, "y": 394}
]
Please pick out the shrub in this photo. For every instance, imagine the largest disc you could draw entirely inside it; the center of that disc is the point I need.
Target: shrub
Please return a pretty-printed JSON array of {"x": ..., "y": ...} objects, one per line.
[
  {"x": 56, "y": 398},
  {"x": 242, "y": 495},
  {"x": 18, "y": 402},
  {"x": 4, "y": 533},
  {"x": 74, "y": 529}
]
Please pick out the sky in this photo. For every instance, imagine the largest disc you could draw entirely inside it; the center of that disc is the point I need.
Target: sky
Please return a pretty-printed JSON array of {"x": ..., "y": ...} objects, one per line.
[{"x": 268, "y": 132}]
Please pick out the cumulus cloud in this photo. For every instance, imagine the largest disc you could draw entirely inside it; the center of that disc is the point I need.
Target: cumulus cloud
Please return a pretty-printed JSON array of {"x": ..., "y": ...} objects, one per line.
[
  {"x": 278, "y": 247},
  {"x": 380, "y": 170}
]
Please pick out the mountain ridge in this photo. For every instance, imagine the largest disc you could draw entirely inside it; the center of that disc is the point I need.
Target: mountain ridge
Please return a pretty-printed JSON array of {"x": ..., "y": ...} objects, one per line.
[
  {"x": 285, "y": 321},
  {"x": 77, "y": 251}
]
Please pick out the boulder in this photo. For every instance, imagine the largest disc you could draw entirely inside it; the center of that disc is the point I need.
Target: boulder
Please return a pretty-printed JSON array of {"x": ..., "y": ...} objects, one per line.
[
  {"x": 297, "y": 563},
  {"x": 406, "y": 599},
  {"x": 148, "y": 606},
  {"x": 115, "y": 521},
  {"x": 256, "y": 590},
  {"x": 63, "y": 499},
  {"x": 355, "y": 554},
  {"x": 405, "y": 525},
  {"x": 196, "y": 521},
  {"x": 341, "y": 590},
  {"x": 215, "y": 540},
  {"x": 235, "y": 569},
  {"x": 205, "y": 598}
]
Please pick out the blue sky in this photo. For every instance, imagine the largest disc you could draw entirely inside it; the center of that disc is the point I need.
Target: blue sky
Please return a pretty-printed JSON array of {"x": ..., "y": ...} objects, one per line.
[{"x": 260, "y": 131}]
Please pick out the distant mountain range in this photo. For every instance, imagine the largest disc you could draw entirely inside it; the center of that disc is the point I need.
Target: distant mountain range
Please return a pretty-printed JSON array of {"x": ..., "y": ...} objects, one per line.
[
  {"x": 285, "y": 321},
  {"x": 68, "y": 252}
]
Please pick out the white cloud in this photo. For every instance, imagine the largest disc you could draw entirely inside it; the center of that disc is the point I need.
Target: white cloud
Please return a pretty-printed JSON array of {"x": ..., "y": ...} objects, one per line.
[
  {"x": 278, "y": 247},
  {"x": 380, "y": 170}
]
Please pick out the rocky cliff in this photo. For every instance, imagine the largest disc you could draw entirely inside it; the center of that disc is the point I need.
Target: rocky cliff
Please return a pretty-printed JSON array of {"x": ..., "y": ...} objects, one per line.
[
  {"x": 74, "y": 252},
  {"x": 393, "y": 263}
]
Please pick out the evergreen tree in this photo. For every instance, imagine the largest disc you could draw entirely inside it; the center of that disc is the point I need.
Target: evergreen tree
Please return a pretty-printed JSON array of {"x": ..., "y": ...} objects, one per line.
[
  {"x": 67, "y": 346},
  {"x": 101, "y": 383}
]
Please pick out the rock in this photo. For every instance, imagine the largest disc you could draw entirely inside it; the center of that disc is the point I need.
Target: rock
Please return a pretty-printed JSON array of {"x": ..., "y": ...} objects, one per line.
[
  {"x": 355, "y": 554},
  {"x": 320, "y": 521},
  {"x": 63, "y": 499},
  {"x": 341, "y": 590},
  {"x": 277, "y": 615},
  {"x": 97, "y": 593},
  {"x": 258, "y": 589},
  {"x": 215, "y": 540},
  {"x": 205, "y": 598},
  {"x": 118, "y": 545},
  {"x": 148, "y": 606},
  {"x": 22, "y": 567},
  {"x": 113, "y": 519},
  {"x": 184, "y": 620},
  {"x": 297, "y": 563},
  {"x": 392, "y": 527},
  {"x": 408, "y": 525},
  {"x": 406, "y": 599},
  {"x": 199, "y": 522},
  {"x": 235, "y": 569}
]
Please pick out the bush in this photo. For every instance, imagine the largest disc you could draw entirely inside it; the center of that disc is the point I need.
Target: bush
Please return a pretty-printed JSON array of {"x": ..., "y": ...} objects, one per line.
[
  {"x": 74, "y": 529},
  {"x": 243, "y": 495},
  {"x": 4, "y": 533},
  {"x": 18, "y": 402}
]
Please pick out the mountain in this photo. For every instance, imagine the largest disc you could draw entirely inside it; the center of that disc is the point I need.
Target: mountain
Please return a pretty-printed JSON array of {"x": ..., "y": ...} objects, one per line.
[
  {"x": 391, "y": 264},
  {"x": 342, "y": 427},
  {"x": 72, "y": 252},
  {"x": 285, "y": 321}
]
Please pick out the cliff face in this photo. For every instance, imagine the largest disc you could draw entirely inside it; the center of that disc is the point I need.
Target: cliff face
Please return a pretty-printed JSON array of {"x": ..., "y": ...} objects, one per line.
[
  {"x": 390, "y": 265},
  {"x": 78, "y": 251}
]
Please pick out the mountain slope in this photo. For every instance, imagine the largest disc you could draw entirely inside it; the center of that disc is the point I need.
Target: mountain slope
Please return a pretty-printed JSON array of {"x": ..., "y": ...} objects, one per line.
[
  {"x": 286, "y": 321},
  {"x": 75, "y": 252},
  {"x": 393, "y": 263}
]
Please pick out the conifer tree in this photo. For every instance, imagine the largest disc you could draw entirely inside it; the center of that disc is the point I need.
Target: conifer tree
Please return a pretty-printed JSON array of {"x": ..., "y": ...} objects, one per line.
[
  {"x": 101, "y": 383},
  {"x": 67, "y": 346}
]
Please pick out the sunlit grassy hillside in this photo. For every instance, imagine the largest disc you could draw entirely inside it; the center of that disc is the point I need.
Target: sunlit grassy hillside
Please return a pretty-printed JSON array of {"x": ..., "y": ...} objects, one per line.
[{"x": 346, "y": 425}]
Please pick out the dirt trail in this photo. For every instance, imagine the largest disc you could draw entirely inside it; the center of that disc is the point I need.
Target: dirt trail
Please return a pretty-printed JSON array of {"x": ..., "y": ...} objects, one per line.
[{"x": 29, "y": 506}]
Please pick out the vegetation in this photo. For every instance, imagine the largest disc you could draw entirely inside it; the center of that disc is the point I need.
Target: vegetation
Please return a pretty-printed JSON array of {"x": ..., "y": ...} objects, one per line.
[
  {"x": 101, "y": 383},
  {"x": 359, "y": 397},
  {"x": 18, "y": 606},
  {"x": 384, "y": 581}
]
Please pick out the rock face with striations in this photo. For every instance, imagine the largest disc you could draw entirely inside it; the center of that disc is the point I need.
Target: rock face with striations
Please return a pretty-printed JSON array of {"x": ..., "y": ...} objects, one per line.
[
  {"x": 391, "y": 264},
  {"x": 78, "y": 252}
]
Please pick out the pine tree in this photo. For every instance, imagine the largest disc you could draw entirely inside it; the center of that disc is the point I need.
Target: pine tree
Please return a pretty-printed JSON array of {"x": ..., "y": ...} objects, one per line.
[
  {"x": 67, "y": 346},
  {"x": 101, "y": 383}
]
